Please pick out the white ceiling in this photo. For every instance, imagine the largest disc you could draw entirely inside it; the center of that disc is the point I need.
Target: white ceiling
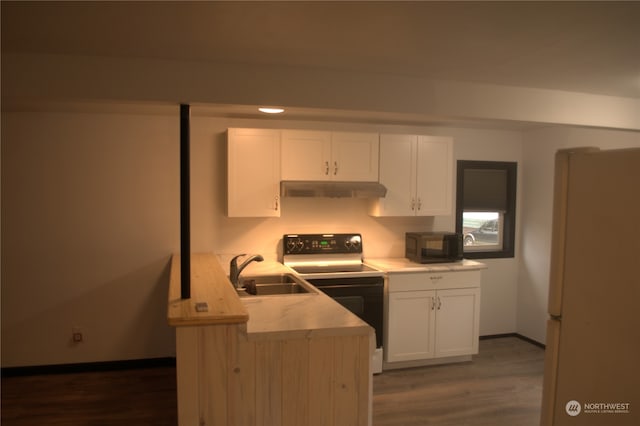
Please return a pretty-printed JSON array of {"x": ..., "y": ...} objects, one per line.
[{"x": 590, "y": 47}]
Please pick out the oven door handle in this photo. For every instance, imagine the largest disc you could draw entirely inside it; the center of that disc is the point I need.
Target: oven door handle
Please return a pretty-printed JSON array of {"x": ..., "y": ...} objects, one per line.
[{"x": 332, "y": 286}]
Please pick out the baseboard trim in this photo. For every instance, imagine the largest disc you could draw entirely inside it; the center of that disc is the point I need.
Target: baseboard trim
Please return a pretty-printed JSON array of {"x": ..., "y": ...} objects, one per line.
[
  {"x": 518, "y": 335},
  {"x": 88, "y": 367},
  {"x": 154, "y": 362}
]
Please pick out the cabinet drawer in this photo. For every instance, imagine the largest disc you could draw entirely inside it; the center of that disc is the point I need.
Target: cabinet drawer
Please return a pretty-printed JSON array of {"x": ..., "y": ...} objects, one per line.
[{"x": 416, "y": 281}]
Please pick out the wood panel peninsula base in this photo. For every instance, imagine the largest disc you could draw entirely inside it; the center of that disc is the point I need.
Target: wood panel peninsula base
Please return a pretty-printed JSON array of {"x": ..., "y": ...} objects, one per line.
[{"x": 272, "y": 360}]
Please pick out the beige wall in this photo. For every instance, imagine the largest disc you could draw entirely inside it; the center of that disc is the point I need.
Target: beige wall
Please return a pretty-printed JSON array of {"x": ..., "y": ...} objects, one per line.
[
  {"x": 535, "y": 236},
  {"x": 89, "y": 221},
  {"x": 158, "y": 80},
  {"x": 90, "y": 218}
]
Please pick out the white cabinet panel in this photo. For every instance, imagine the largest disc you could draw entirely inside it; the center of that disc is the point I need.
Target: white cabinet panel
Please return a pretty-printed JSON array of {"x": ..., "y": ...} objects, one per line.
[
  {"x": 457, "y": 324},
  {"x": 418, "y": 174},
  {"x": 434, "y": 176},
  {"x": 339, "y": 156},
  {"x": 397, "y": 174},
  {"x": 354, "y": 156},
  {"x": 411, "y": 326},
  {"x": 416, "y": 281},
  {"x": 306, "y": 155},
  {"x": 427, "y": 318},
  {"x": 253, "y": 173}
]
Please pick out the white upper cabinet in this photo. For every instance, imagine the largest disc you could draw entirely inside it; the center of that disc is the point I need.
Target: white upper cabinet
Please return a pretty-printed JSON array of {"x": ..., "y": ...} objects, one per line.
[
  {"x": 418, "y": 174},
  {"x": 253, "y": 173},
  {"x": 305, "y": 155},
  {"x": 354, "y": 156},
  {"x": 398, "y": 175},
  {"x": 434, "y": 176},
  {"x": 340, "y": 156}
]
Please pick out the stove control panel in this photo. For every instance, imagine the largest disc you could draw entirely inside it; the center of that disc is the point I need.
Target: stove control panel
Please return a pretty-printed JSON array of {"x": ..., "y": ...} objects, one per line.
[{"x": 321, "y": 243}]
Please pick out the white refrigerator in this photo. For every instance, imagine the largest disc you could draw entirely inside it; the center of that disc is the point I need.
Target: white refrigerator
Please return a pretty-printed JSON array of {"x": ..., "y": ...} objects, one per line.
[{"x": 592, "y": 358}]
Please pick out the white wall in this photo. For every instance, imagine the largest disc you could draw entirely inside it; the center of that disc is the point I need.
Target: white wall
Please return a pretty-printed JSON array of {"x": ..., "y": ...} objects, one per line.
[
  {"x": 90, "y": 218},
  {"x": 539, "y": 150}
]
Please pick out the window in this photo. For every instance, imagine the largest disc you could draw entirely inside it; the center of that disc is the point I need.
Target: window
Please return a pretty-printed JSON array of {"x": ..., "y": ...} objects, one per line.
[{"x": 486, "y": 207}]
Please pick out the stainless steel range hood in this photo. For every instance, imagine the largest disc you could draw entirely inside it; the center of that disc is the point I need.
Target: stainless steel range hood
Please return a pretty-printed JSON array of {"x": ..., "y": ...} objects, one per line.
[{"x": 290, "y": 188}]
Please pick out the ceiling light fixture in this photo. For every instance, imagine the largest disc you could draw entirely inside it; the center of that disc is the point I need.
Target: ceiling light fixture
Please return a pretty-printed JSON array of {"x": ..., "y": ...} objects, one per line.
[{"x": 271, "y": 110}]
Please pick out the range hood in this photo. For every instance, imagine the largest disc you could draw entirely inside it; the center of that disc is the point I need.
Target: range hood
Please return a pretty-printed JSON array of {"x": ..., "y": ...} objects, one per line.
[{"x": 289, "y": 188}]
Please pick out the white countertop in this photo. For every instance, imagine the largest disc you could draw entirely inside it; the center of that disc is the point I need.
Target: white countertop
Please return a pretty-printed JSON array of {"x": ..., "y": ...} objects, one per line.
[
  {"x": 314, "y": 315},
  {"x": 299, "y": 315},
  {"x": 401, "y": 264}
]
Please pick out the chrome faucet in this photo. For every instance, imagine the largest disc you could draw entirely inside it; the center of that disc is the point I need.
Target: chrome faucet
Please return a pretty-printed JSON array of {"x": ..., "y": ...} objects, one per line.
[{"x": 234, "y": 269}]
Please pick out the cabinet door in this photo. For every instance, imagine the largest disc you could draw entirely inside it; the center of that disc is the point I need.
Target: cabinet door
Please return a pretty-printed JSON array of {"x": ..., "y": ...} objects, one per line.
[
  {"x": 253, "y": 173},
  {"x": 354, "y": 157},
  {"x": 411, "y": 326},
  {"x": 398, "y": 175},
  {"x": 457, "y": 322},
  {"x": 434, "y": 176},
  {"x": 306, "y": 155}
]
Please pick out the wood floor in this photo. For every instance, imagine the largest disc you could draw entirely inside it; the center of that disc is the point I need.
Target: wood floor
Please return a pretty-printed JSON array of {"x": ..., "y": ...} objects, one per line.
[{"x": 502, "y": 386}]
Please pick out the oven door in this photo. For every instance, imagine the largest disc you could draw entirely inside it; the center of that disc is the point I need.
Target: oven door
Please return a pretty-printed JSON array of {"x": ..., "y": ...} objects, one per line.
[{"x": 364, "y": 296}]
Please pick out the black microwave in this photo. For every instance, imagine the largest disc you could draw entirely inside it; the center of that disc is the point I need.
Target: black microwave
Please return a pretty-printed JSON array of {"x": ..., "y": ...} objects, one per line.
[{"x": 433, "y": 247}]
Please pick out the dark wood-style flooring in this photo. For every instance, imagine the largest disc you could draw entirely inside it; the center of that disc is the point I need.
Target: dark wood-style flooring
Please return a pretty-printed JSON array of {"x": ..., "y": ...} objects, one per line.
[{"x": 502, "y": 386}]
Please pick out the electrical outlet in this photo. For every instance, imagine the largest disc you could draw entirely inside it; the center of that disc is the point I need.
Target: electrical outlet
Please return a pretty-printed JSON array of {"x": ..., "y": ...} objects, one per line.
[{"x": 76, "y": 335}]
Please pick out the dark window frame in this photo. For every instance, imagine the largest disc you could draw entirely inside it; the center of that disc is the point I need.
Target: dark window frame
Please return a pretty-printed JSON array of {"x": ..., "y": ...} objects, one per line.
[{"x": 509, "y": 217}]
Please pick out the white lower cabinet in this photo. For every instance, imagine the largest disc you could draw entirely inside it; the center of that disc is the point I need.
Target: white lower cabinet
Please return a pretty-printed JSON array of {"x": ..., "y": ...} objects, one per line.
[
  {"x": 412, "y": 326},
  {"x": 432, "y": 315},
  {"x": 457, "y": 321}
]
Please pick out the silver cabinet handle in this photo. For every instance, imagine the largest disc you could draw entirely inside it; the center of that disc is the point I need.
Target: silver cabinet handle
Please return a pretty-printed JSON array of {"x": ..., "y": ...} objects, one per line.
[
  {"x": 433, "y": 303},
  {"x": 326, "y": 168},
  {"x": 277, "y": 203},
  {"x": 335, "y": 168},
  {"x": 419, "y": 203},
  {"x": 413, "y": 204},
  {"x": 439, "y": 303}
]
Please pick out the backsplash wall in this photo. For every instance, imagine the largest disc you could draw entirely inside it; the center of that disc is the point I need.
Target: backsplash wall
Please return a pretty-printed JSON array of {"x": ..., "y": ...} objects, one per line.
[{"x": 382, "y": 237}]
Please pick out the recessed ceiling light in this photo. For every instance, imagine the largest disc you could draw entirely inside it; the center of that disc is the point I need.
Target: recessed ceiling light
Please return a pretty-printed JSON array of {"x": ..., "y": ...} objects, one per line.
[{"x": 271, "y": 110}]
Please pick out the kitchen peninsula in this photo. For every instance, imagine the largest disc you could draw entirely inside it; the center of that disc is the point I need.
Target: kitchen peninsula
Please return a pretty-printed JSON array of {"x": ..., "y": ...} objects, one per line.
[{"x": 272, "y": 360}]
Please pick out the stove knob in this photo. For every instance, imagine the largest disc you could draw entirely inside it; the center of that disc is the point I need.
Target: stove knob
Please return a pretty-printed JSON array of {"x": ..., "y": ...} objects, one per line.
[
  {"x": 347, "y": 243},
  {"x": 355, "y": 244},
  {"x": 291, "y": 245},
  {"x": 300, "y": 245}
]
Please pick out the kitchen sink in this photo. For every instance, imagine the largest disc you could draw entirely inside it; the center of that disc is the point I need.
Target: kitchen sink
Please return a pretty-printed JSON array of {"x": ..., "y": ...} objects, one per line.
[{"x": 272, "y": 285}]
